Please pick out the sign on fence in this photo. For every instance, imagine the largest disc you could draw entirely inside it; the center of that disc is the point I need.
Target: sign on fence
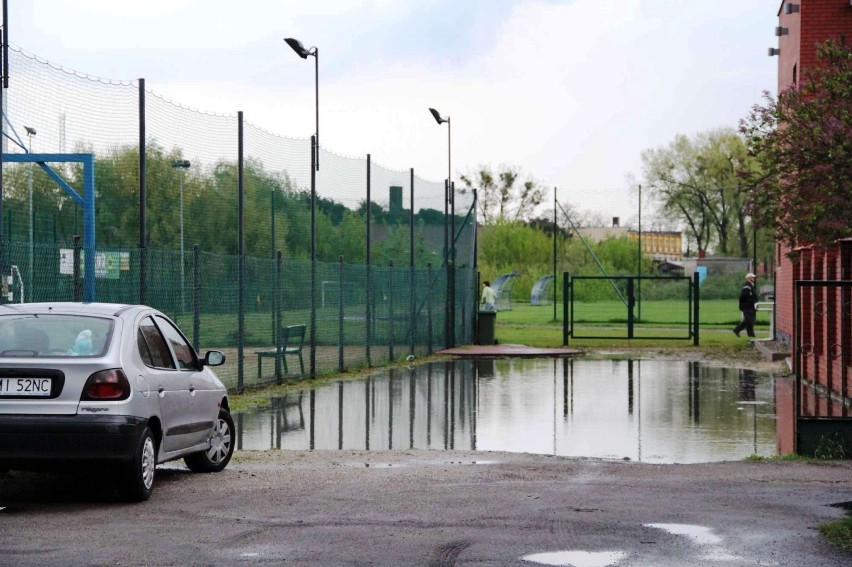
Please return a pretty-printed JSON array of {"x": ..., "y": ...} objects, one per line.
[{"x": 108, "y": 265}]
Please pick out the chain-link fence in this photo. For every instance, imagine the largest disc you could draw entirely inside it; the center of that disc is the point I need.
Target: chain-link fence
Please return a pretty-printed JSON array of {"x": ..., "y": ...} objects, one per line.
[{"x": 211, "y": 219}]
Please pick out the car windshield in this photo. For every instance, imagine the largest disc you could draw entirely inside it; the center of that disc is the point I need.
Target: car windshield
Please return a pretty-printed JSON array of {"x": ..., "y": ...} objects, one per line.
[{"x": 38, "y": 335}]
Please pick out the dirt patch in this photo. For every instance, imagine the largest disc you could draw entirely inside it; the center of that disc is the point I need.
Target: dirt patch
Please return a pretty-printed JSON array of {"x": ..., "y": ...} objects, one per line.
[{"x": 747, "y": 357}]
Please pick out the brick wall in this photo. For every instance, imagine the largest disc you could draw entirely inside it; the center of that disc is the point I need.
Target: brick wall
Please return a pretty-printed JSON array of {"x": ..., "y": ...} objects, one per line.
[
  {"x": 814, "y": 23},
  {"x": 826, "y": 323}
]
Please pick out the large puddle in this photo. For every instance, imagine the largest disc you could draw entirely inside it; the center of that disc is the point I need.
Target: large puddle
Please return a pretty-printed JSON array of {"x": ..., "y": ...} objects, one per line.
[{"x": 650, "y": 411}]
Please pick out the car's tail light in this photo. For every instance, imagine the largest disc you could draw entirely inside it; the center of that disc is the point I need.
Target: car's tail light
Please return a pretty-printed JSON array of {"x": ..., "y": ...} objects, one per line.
[{"x": 106, "y": 385}]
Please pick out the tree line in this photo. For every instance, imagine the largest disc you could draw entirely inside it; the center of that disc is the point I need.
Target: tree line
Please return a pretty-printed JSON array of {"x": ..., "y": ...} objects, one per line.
[{"x": 276, "y": 212}]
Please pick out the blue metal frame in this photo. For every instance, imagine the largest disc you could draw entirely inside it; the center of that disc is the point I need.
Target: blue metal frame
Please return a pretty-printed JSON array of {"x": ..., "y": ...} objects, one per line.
[{"x": 87, "y": 201}]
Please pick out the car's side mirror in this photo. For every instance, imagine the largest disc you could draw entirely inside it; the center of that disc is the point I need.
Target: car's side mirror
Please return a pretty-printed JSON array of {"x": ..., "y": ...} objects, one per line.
[{"x": 214, "y": 358}]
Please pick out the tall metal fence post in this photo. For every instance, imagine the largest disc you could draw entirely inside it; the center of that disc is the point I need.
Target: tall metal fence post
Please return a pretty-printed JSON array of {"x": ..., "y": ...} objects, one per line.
[
  {"x": 452, "y": 265},
  {"x": 143, "y": 198},
  {"x": 278, "y": 318},
  {"x": 412, "y": 319},
  {"x": 696, "y": 307},
  {"x": 391, "y": 294},
  {"x": 314, "y": 151},
  {"x": 447, "y": 263},
  {"x": 78, "y": 284},
  {"x": 196, "y": 296},
  {"x": 340, "y": 316},
  {"x": 429, "y": 308},
  {"x": 272, "y": 248},
  {"x": 564, "y": 308},
  {"x": 368, "y": 319},
  {"x": 240, "y": 255},
  {"x": 631, "y": 303}
]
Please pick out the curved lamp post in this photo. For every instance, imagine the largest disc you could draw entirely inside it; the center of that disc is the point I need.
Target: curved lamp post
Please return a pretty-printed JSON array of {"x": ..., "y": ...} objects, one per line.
[
  {"x": 300, "y": 50},
  {"x": 304, "y": 54},
  {"x": 450, "y": 254}
]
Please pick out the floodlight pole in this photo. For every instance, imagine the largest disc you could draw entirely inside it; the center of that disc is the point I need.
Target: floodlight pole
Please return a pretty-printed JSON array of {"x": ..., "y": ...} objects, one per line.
[
  {"x": 300, "y": 50},
  {"x": 451, "y": 255}
]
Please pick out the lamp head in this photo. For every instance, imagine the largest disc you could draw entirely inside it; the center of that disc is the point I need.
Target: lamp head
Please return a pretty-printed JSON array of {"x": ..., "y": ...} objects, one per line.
[
  {"x": 180, "y": 163},
  {"x": 437, "y": 116},
  {"x": 30, "y": 131},
  {"x": 298, "y": 47}
]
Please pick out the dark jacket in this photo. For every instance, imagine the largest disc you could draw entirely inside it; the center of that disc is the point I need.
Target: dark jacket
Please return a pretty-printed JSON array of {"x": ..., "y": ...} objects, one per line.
[{"x": 747, "y": 297}]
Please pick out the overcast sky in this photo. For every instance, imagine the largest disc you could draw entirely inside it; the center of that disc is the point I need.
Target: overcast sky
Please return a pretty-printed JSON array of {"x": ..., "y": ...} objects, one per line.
[{"x": 570, "y": 91}]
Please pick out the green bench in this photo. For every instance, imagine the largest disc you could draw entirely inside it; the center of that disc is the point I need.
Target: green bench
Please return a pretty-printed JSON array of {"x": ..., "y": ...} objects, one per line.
[{"x": 292, "y": 340}]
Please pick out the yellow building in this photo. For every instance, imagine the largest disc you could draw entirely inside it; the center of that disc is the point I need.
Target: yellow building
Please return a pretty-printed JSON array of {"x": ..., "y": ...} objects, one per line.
[{"x": 659, "y": 245}]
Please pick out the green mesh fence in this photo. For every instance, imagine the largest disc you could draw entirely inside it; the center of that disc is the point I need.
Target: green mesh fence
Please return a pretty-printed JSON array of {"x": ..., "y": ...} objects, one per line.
[{"x": 190, "y": 267}]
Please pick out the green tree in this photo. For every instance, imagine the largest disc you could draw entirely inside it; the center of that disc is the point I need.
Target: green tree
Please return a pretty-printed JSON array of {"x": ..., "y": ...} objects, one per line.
[
  {"x": 804, "y": 142},
  {"x": 502, "y": 196},
  {"x": 699, "y": 183}
]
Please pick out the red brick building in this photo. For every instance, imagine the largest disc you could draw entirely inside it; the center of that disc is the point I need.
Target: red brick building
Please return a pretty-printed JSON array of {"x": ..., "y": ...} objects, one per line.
[{"x": 813, "y": 294}]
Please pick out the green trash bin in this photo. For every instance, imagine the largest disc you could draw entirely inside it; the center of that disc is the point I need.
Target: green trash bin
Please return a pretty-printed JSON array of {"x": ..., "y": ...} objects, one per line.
[{"x": 487, "y": 320}]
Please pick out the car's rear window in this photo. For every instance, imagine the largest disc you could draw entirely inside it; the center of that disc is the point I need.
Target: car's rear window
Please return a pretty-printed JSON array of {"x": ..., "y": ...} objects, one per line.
[{"x": 49, "y": 336}]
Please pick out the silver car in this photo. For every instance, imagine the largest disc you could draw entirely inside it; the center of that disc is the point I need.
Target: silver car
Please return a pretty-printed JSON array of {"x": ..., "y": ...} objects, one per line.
[{"x": 107, "y": 384}]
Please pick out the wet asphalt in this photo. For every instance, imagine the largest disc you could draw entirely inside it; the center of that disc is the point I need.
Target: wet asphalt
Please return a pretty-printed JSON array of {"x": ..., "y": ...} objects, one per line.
[{"x": 432, "y": 508}]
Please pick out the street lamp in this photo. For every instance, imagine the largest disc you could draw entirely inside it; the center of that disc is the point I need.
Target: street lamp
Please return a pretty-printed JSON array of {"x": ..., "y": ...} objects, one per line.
[
  {"x": 181, "y": 165},
  {"x": 304, "y": 53},
  {"x": 451, "y": 256},
  {"x": 440, "y": 120},
  {"x": 30, "y": 133},
  {"x": 300, "y": 50}
]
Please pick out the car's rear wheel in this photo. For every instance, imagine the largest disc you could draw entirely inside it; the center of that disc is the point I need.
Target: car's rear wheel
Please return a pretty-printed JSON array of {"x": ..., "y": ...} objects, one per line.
[
  {"x": 217, "y": 456},
  {"x": 137, "y": 477}
]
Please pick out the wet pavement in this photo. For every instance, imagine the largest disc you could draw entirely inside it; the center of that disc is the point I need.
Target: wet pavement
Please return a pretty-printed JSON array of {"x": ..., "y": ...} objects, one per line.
[{"x": 436, "y": 509}]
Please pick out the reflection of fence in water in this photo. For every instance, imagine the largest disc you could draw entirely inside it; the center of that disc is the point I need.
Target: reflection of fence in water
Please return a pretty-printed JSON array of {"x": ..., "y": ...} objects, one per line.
[
  {"x": 430, "y": 407},
  {"x": 581, "y": 408}
]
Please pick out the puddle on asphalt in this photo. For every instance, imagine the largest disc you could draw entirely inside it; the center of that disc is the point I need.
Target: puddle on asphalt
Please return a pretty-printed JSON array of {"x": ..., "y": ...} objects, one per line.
[
  {"x": 577, "y": 558},
  {"x": 651, "y": 411},
  {"x": 702, "y": 536},
  {"x": 698, "y": 534}
]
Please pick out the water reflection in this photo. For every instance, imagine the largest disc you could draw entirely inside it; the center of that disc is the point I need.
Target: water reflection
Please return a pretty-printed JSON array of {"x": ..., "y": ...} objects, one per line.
[{"x": 651, "y": 411}]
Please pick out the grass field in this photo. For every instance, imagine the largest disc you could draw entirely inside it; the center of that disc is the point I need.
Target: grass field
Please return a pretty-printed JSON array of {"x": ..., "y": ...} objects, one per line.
[
  {"x": 534, "y": 325},
  {"x": 713, "y": 312}
]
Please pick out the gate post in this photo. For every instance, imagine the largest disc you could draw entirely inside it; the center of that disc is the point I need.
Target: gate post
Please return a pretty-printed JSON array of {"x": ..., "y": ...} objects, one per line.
[
  {"x": 696, "y": 299},
  {"x": 565, "y": 299},
  {"x": 631, "y": 301}
]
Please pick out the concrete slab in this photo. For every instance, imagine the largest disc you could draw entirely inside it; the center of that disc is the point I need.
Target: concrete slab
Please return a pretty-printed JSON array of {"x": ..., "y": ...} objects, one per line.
[
  {"x": 772, "y": 350},
  {"x": 507, "y": 351}
]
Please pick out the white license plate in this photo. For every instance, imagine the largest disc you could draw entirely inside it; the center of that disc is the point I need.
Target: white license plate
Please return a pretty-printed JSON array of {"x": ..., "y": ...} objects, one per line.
[{"x": 36, "y": 387}]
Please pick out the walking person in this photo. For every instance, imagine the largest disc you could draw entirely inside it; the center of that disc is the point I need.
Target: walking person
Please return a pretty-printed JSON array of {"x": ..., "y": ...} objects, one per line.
[
  {"x": 489, "y": 297},
  {"x": 748, "y": 300}
]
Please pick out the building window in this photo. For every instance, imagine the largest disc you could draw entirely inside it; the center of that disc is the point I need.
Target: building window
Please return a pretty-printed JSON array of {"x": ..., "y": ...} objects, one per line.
[{"x": 795, "y": 75}]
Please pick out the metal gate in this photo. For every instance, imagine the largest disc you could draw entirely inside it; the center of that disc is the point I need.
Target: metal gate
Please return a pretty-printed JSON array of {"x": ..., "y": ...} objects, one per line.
[
  {"x": 631, "y": 307},
  {"x": 822, "y": 358}
]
